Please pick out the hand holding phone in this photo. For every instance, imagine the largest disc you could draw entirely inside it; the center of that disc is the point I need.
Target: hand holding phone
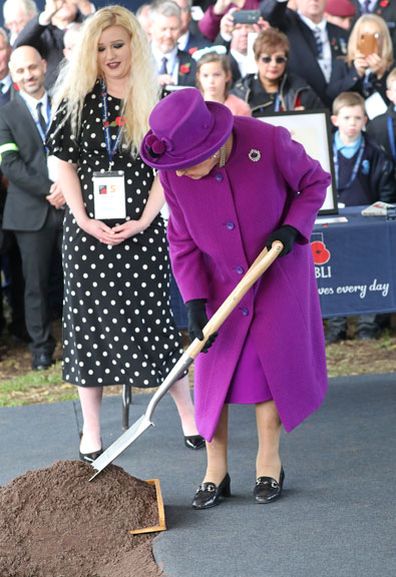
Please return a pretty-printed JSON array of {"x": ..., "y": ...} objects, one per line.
[
  {"x": 368, "y": 44},
  {"x": 246, "y": 16}
]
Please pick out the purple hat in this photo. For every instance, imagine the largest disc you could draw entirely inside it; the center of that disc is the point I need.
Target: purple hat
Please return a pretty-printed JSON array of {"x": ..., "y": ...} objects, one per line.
[{"x": 185, "y": 130}]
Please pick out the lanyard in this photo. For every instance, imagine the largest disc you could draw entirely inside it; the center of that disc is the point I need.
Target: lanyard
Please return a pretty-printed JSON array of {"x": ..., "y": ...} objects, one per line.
[
  {"x": 111, "y": 150},
  {"x": 354, "y": 170},
  {"x": 391, "y": 136},
  {"x": 48, "y": 122}
]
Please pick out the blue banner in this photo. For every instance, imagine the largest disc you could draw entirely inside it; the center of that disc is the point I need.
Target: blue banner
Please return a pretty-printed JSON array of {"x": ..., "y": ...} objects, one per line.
[{"x": 355, "y": 264}]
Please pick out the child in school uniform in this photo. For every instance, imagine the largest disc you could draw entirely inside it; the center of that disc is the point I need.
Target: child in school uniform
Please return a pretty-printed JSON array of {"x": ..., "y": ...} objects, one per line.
[{"x": 364, "y": 174}]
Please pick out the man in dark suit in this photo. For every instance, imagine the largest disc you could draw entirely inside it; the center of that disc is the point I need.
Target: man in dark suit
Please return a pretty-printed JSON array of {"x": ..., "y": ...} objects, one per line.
[
  {"x": 33, "y": 204},
  {"x": 190, "y": 39},
  {"x": 45, "y": 32},
  {"x": 10, "y": 259},
  {"x": 175, "y": 67},
  {"x": 316, "y": 46}
]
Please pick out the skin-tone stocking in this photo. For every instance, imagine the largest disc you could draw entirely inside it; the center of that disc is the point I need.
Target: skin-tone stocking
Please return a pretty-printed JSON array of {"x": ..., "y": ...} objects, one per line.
[
  {"x": 90, "y": 399},
  {"x": 216, "y": 451},
  {"x": 180, "y": 393},
  {"x": 268, "y": 463}
]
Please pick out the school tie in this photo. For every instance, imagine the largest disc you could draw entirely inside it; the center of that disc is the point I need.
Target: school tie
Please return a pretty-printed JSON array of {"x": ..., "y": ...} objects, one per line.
[
  {"x": 318, "y": 42},
  {"x": 366, "y": 7},
  {"x": 164, "y": 69},
  {"x": 41, "y": 118}
]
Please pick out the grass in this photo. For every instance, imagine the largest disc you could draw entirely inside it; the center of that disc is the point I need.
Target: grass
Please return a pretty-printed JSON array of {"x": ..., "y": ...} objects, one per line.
[
  {"x": 36, "y": 387},
  {"x": 21, "y": 386}
]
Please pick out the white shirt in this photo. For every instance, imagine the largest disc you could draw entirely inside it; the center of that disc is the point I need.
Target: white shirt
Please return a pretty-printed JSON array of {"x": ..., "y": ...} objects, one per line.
[
  {"x": 172, "y": 65},
  {"x": 242, "y": 61},
  {"x": 31, "y": 103},
  {"x": 371, "y": 5},
  {"x": 7, "y": 83},
  {"x": 325, "y": 62}
]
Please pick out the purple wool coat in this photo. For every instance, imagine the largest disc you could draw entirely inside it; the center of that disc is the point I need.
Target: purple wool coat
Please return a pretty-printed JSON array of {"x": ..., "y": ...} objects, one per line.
[{"x": 217, "y": 227}]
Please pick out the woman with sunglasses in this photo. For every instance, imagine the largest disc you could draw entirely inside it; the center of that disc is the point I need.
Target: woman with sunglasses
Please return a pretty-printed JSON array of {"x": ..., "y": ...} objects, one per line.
[{"x": 272, "y": 89}]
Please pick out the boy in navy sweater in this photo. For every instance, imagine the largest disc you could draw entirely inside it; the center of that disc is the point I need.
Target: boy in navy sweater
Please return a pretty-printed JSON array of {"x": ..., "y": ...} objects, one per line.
[{"x": 364, "y": 174}]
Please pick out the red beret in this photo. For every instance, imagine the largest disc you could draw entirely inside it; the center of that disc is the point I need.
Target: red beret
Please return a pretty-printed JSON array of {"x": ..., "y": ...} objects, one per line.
[{"x": 341, "y": 8}]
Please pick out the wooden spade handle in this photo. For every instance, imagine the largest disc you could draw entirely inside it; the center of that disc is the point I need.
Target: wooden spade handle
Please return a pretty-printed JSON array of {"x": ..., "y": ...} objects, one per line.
[{"x": 260, "y": 265}]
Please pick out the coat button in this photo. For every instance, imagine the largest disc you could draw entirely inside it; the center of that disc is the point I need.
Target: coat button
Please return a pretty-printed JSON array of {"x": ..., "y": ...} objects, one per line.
[
  {"x": 219, "y": 177},
  {"x": 230, "y": 225},
  {"x": 239, "y": 269},
  {"x": 245, "y": 311}
]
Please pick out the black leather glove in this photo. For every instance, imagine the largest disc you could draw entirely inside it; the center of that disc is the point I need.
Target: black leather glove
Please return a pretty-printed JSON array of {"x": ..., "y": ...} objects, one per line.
[
  {"x": 286, "y": 234},
  {"x": 197, "y": 319}
]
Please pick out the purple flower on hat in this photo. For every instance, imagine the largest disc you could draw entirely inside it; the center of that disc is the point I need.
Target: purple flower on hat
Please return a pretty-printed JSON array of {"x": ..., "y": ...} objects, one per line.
[{"x": 155, "y": 146}]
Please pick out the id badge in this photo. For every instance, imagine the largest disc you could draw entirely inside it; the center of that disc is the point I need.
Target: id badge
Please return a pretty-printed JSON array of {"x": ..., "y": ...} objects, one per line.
[{"x": 109, "y": 195}]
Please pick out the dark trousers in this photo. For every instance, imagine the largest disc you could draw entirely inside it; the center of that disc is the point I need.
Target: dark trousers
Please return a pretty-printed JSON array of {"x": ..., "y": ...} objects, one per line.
[
  {"x": 37, "y": 250},
  {"x": 368, "y": 323},
  {"x": 11, "y": 267}
]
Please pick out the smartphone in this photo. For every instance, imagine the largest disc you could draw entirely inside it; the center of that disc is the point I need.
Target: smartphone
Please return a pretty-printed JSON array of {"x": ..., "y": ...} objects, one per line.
[
  {"x": 246, "y": 16},
  {"x": 369, "y": 44}
]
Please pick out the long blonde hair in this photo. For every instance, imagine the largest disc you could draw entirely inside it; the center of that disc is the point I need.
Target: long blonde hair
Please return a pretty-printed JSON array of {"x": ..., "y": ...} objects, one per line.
[
  {"x": 385, "y": 45},
  {"x": 79, "y": 75}
]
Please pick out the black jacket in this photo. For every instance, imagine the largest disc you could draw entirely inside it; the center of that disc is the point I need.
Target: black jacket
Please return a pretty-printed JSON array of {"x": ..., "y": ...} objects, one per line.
[
  {"x": 294, "y": 92},
  {"x": 302, "y": 56},
  {"x": 48, "y": 40},
  {"x": 375, "y": 177},
  {"x": 377, "y": 129},
  {"x": 26, "y": 207}
]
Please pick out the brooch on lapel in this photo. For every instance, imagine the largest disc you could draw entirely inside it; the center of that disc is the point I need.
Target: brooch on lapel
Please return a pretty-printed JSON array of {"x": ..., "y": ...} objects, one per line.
[{"x": 254, "y": 155}]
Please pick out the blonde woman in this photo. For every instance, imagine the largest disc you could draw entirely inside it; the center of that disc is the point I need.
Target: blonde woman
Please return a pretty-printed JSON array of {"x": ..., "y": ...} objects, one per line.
[
  {"x": 369, "y": 58},
  {"x": 117, "y": 323}
]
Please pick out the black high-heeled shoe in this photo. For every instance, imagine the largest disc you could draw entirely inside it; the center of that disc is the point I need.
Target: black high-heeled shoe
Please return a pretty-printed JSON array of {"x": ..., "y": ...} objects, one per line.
[
  {"x": 90, "y": 457},
  {"x": 209, "y": 495},
  {"x": 268, "y": 489},
  {"x": 194, "y": 442}
]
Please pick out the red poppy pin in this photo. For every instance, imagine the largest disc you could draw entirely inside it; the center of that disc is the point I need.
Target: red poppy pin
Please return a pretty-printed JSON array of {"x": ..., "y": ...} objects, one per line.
[
  {"x": 321, "y": 254},
  {"x": 120, "y": 121},
  {"x": 384, "y": 3},
  {"x": 185, "y": 68}
]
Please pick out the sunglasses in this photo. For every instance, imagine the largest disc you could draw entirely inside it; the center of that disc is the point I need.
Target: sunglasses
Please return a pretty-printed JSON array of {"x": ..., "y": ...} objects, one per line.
[{"x": 278, "y": 59}]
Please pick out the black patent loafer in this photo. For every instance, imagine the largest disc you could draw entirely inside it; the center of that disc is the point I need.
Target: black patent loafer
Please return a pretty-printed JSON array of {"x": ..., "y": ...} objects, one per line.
[
  {"x": 90, "y": 457},
  {"x": 194, "y": 442},
  {"x": 209, "y": 495},
  {"x": 268, "y": 489}
]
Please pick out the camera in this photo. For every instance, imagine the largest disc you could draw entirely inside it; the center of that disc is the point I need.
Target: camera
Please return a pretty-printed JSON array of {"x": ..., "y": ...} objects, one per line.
[{"x": 246, "y": 16}]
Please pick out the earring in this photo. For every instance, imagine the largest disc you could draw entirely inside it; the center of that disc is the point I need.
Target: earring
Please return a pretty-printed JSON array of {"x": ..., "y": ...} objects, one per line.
[{"x": 222, "y": 160}]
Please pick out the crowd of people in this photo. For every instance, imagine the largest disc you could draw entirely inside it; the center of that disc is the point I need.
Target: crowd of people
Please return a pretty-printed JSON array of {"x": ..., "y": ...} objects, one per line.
[{"x": 77, "y": 86}]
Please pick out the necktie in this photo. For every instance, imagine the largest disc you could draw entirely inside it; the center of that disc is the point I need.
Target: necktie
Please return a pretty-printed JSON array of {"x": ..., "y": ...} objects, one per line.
[
  {"x": 366, "y": 7},
  {"x": 41, "y": 118},
  {"x": 1, "y": 87},
  {"x": 318, "y": 42},
  {"x": 164, "y": 69}
]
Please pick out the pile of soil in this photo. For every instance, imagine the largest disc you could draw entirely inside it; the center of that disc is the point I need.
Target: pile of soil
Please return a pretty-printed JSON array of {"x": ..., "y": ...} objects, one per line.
[{"x": 55, "y": 523}]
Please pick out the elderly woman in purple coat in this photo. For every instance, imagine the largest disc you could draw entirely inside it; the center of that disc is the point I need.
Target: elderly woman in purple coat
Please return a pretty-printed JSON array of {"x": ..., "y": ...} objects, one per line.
[{"x": 235, "y": 185}]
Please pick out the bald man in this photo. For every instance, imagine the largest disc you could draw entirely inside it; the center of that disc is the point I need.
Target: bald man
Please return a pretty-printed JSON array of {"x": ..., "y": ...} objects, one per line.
[{"x": 33, "y": 208}]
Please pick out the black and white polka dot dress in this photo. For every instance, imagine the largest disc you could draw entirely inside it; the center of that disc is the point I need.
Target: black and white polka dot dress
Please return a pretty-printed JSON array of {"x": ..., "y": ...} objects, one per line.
[{"x": 117, "y": 324}]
